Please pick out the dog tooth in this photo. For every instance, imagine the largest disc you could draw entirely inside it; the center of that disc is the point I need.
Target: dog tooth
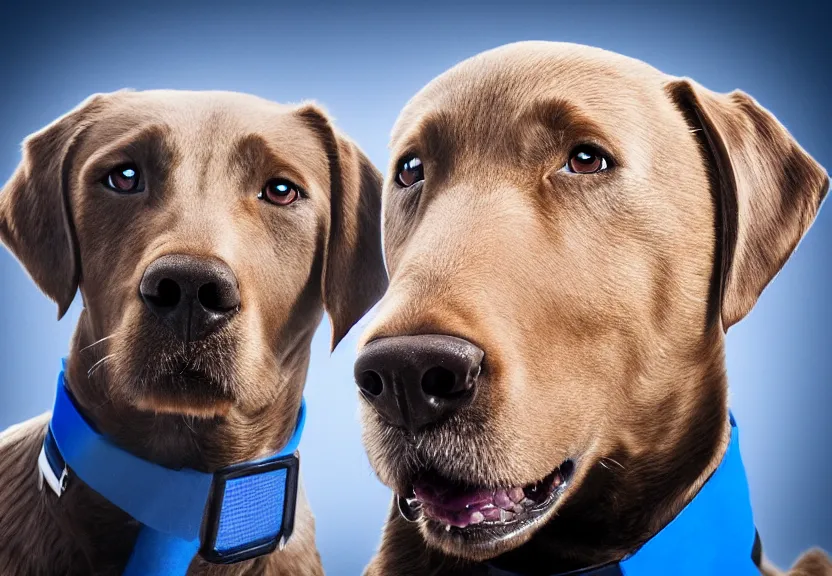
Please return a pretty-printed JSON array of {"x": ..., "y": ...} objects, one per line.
[
  {"x": 447, "y": 527},
  {"x": 502, "y": 500},
  {"x": 505, "y": 515},
  {"x": 491, "y": 513},
  {"x": 518, "y": 509},
  {"x": 477, "y": 518},
  {"x": 516, "y": 494}
]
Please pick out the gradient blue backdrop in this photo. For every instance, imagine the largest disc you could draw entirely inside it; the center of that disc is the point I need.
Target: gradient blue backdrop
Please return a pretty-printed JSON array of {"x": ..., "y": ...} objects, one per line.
[{"x": 363, "y": 62}]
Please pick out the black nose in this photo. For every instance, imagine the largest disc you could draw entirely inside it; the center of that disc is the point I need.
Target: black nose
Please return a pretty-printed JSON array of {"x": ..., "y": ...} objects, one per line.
[
  {"x": 414, "y": 381},
  {"x": 193, "y": 296}
]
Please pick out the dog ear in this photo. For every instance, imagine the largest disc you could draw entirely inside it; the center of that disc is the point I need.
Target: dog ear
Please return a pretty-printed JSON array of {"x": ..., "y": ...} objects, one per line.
[
  {"x": 35, "y": 214},
  {"x": 770, "y": 189},
  {"x": 354, "y": 276}
]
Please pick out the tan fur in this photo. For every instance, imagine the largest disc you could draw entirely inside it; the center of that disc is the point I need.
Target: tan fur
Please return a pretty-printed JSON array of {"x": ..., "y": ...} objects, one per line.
[
  {"x": 601, "y": 301},
  {"x": 205, "y": 157}
]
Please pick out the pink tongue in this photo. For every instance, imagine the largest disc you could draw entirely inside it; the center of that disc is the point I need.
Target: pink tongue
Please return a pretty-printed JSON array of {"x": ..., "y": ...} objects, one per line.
[{"x": 452, "y": 500}]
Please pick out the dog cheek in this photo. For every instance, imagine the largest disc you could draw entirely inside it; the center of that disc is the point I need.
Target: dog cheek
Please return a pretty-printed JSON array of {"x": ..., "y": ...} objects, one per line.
[
  {"x": 385, "y": 454},
  {"x": 256, "y": 376},
  {"x": 126, "y": 353}
]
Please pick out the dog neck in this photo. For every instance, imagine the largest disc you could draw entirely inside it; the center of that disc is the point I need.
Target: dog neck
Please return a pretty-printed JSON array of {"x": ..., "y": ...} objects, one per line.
[
  {"x": 103, "y": 533},
  {"x": 620, "y": 506}
]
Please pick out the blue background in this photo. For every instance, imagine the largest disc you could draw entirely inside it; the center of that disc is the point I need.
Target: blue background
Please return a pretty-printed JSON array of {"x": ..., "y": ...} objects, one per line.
[{"x": 363, "y": 62}]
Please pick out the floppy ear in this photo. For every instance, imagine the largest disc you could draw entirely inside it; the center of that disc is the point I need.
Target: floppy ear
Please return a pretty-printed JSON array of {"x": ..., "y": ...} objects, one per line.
[
  {"x": 770, "y": 189},
  {"x": 35, "y": 216},
  {"x": 354, "y": 277}
]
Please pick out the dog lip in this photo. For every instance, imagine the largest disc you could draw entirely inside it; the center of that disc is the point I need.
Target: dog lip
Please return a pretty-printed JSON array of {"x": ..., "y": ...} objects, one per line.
[
  {"x": 461, "y": 507},
  {"x": 184, "y": 389},
  {"x": 409, "y": 508}
]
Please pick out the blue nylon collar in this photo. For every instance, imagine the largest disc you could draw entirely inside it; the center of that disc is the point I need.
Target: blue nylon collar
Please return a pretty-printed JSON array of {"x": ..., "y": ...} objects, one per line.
[
  {"x": 713, "y": 534},
  {"x": 238, "y": 512}
]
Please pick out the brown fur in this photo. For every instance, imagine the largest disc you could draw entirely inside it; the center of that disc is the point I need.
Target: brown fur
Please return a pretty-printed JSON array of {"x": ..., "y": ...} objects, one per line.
[
  {"x": 601, "y": 301},
  {"x": 205, "y": 157}
]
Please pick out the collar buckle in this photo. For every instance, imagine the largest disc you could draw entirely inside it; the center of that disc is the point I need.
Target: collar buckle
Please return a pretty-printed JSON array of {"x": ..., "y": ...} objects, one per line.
[{"x": 47, "y": 474}]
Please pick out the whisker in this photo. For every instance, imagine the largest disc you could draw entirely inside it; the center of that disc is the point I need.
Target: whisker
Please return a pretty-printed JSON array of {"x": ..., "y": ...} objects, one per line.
[
  {"x": 185, "y": 420},
  {"x": 97, "y": 364},
  {"x": 104, "y": 403},
  {"x": 96, "y": 342},
  {"x": 616, "y": 462}
]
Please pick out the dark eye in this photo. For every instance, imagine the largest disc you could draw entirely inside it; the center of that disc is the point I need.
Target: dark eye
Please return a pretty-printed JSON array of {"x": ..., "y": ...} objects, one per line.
[
  {"x": 124, "y": 179},
  {"x": 586, "y": 160},
  {"x": 279, "y": 191},
  {"x": 410, "y": 172}
]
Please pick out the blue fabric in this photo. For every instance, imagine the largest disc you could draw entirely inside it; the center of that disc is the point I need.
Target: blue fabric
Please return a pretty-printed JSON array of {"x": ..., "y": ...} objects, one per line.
[
  {"x": 157, "y": 553},
  {"x": 172, "y": 501},
  {"x": 170, "y": 504},
  {"x": 251, "y": 493},
  {"x": 713, "y": 534}
]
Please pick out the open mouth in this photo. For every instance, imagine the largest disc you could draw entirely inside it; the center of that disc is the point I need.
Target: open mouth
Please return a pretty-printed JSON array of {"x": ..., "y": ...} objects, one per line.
[{"x": 487, "y": 511}]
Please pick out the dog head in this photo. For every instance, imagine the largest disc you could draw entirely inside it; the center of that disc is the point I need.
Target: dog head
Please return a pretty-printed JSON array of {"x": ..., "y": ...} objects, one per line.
[
  {"x": 568, "y": 234},
  {"x": 206, "y": 233}
]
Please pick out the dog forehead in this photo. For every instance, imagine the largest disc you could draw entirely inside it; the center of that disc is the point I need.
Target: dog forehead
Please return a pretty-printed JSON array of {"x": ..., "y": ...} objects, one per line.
[
  {"x": 204, "y": 124},
  {"x": 192, "y": 119},
  {"x": 183, "y": 112},
  {"x": 500, "y": 84}
]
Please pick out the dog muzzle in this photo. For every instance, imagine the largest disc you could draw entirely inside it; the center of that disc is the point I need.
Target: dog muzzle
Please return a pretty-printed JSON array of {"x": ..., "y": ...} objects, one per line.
[{"x": 237, "y": 513}]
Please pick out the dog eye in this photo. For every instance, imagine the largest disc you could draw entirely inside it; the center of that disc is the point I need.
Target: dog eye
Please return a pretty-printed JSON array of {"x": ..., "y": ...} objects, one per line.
[
  {"x": 124, "y": 179},
  {"x": 280, "y": 192},
  {"x": 410, "y": 172},
  {"x": 586, "y": 160}
]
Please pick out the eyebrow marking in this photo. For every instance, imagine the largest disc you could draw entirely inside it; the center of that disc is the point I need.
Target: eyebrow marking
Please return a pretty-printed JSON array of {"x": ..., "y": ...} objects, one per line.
[
  {"x": 150, "y": 145},
  {"x": 547, "y": 124},
  {"x": 558, "y": 115},
  {"x": 251, "y": 153},
  {"x": 253, "y": 158}
]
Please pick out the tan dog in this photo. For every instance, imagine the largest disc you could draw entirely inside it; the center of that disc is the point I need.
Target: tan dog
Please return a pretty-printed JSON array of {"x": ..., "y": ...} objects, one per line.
[
  {"x": 206, "y": 232},
  {"x": 569, "y": 233}
]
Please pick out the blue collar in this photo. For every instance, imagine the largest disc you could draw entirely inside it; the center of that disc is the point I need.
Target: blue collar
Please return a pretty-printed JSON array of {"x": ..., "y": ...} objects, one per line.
[
  {"x": 239, "y": 512},
  {"x": 713, "y": 534}
]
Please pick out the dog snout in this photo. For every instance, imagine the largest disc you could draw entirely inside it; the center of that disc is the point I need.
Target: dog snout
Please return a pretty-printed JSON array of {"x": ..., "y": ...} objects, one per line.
[
  {"x": 193, "y": 296},
  {"x": 414, "y": 381}
]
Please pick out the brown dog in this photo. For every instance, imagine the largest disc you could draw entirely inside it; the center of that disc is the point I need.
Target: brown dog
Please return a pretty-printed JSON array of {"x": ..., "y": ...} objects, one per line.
[
  {"x": 206, "y": 232},
  {"x": 569, "y": 233}
]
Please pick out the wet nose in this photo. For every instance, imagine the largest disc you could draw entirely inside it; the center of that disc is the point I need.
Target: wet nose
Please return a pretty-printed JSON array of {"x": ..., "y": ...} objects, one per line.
[
  {"x": 415, "y": 381},
  {"x": 193, "y": 296}
]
